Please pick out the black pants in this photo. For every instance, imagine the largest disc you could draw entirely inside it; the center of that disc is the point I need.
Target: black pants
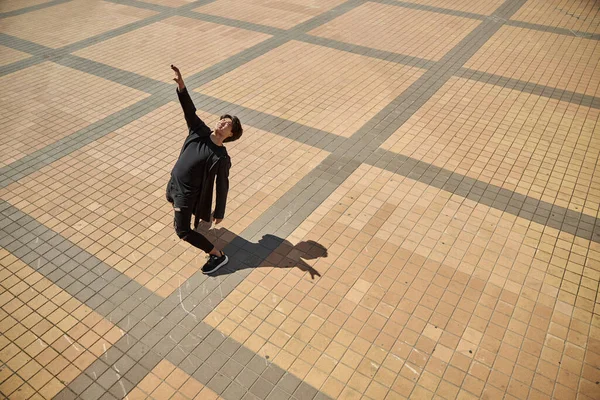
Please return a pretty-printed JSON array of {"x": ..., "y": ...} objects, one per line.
[
  {"x": 183, "y": 218},
  {"x": 182, "y": 224}
]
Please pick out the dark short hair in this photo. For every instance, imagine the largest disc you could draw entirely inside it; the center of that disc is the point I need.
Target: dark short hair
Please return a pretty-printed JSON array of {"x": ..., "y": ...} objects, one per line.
[{"x": 236, "y": 128}]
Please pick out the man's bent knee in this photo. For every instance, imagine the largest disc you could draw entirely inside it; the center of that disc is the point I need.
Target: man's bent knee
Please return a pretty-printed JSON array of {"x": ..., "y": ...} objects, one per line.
[
  {"x": 182, "y": 233},
  {"x": 181, "y": 229}
]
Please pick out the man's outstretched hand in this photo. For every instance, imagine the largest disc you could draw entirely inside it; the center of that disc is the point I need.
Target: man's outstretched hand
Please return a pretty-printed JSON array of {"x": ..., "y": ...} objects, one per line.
[{"x": 178, "y": 77}]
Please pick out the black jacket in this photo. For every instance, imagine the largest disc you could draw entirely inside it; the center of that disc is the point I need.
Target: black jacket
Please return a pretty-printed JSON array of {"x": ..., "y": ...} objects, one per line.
[{"x": 217, "y": 167}]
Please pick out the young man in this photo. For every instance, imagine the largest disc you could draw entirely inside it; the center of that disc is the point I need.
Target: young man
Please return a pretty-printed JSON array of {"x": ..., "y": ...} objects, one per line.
[{"x": 203, "y": 159}]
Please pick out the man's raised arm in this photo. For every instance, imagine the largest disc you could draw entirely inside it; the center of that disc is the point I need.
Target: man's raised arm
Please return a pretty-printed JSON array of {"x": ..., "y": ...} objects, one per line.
[{"x": 195, "y": 124}]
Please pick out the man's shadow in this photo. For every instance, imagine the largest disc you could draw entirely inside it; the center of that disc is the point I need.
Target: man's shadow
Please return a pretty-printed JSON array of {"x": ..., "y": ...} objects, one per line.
[{"x": 270, "y": 251}]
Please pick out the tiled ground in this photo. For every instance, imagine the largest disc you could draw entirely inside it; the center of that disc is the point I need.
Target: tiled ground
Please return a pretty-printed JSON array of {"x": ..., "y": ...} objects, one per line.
[
  {"x": 421, "y": 292},
  {"x": 195, "y": 44},
  {"x": 555, "y": 60},
  {"x": 167, "y": 381},
  {"x": 278, "y": 14},
  {"x": 86, "y": 18},
  {"x": 544, "y": 148},
  {"x": 398, "y": 30},
  {"x": 113, "y": 205},
  {"x": 323, "y": 88},
  {"x": 579, "y": 15},
  {"x": 48, "y": 337},
  {"x": 413, "y": 207},
  {"x": 9, "y": 55},
  {"x": 12, "y": 5},
  {"x": 47, "y": 102},
  {"x": 170, "y": 3},
  {"x": 480, "y": 7}
]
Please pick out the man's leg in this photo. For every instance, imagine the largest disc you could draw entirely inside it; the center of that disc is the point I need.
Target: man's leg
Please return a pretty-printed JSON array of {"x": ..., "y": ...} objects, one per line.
[{"x": 183, "y": 216}]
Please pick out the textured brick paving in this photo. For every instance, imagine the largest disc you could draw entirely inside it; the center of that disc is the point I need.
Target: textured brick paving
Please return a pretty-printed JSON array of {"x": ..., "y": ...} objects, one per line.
[
  {"x": 413, "y": 211},
  {"x": 85, "y": 18},
  {"x": 13, "y": 5},
  {"x": 56, "y": 102},
  {"x": 282, "y": 15}
]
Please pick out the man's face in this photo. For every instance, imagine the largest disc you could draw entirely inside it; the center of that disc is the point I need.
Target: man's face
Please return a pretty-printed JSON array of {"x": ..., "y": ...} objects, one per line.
[{"x": 224, "y": 127}]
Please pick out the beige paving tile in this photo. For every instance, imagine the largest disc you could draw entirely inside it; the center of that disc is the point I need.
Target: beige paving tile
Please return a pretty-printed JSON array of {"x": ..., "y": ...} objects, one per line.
[
  {"x": 316, "y": 86},
  {"x": 166, "y": 381},
  {"x": 113, "y": 199},
  {"x": 399, "y": 30},
  {"x": 12, "y": 5},
  {"x": 71, "y": 22},
  {"x": 169, "y": 3},
  {"x": 49, "y": 337},
  {"x": 474, "y": 6},
  {"x": 46, "y": 102},
  {"x": 579, "y": 15},
  {"x": 190, "y": 44},
  {"x": 279, "y": 14},
  {"x": 564, "y": 62},
  {"x": 540, "y": 147},
  {"x": 259, "y": 179},
  {"x": 9, "y": 56},
  {"x": 456, "y": 299}
]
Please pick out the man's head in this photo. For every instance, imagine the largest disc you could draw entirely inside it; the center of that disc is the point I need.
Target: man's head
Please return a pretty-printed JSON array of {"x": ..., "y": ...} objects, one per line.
[{"x": 229, "y": 128}]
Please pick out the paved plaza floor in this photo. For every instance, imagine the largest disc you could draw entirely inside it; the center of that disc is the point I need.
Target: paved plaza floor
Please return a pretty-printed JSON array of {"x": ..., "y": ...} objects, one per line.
[{"x": 413, "y": 208}]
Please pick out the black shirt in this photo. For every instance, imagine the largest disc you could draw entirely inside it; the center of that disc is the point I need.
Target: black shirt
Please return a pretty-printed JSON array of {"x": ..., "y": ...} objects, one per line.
[
  {"x": 198, "y": 156},
  {"x": 199, "y": 163}
]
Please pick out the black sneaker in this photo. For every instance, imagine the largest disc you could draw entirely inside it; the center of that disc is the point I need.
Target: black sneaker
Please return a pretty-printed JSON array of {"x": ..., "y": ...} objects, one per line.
[{"x": 214, "y": 263}]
